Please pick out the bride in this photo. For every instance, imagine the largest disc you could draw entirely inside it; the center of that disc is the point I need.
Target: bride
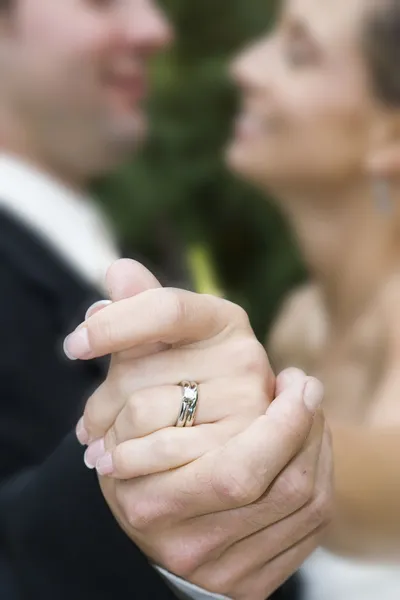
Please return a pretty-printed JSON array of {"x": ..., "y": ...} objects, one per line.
[{"x": 320, "y": 131}]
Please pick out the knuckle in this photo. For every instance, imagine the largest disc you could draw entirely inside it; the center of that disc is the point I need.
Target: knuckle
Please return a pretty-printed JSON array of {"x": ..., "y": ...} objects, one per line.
[
  {"x": 136, "y": 409},
  {"x": 247, "y": 354},
  {"x": 219, "y": 581},
  {"x": 182, "y": 557},
  {"x": 90, "y": 416},
  {"x": 119, "y": 378},
  {"x": 138, "y": 518},
  {"x": 147, "y": 510},
  {"x": 256, "y": 358},
  {"x": 136, "y": 511},
  {"x": 163, "y": 447},
  {"x": 95, "y": 422},
  {"x": 298, "y": 488},
  {"x": 235, "y": 488},
  {"x": 173, "y": 306},
  {"x": 122, "y": 459},
  {"x": 111, "y": 438},
  {"x": 238, "y": 314},
  {"x": 101, "y": 330}
]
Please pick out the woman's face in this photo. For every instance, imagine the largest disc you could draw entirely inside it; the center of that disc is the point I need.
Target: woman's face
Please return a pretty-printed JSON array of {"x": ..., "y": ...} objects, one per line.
[{"x": 306, "y": 103}]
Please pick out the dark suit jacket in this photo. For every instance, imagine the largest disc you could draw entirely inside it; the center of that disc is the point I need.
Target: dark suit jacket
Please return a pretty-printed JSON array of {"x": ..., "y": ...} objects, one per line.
[{"x": 58, "y": 539}]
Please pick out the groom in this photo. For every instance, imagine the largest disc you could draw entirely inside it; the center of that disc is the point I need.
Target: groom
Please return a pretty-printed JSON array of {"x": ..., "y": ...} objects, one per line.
[{"x": 73, "y": 82}]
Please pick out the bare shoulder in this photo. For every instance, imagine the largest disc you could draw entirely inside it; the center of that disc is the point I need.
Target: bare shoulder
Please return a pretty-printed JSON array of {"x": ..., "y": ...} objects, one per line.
[{"x": 300, "y": 330}]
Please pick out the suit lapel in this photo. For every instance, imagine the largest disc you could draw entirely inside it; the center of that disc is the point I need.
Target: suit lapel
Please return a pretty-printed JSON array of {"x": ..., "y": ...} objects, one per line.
[{"x": 66, "y": 293}]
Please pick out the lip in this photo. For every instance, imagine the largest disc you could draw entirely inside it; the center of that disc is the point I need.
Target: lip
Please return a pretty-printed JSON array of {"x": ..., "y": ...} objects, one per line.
[
  {"x": 246, "y": 127},
  {"x": 250, "y": 125},
  {"x": 133, "y": 87}
]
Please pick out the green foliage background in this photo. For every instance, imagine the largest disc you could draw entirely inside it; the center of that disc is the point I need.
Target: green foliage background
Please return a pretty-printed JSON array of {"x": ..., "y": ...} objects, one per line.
[{"x": 178, "y": 193}]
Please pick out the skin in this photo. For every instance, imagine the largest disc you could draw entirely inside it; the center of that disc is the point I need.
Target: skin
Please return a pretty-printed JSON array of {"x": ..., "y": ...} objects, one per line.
[
  {"x": 74, "y": 81},
  {"x": 72, "y": 103},
  {"x": 236, "y": 503},
  {"x": 314, "y": 133}
]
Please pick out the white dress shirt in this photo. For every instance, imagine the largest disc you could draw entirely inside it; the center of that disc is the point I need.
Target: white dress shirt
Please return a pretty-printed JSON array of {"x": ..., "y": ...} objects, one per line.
[{"x": 74, "y": 227}]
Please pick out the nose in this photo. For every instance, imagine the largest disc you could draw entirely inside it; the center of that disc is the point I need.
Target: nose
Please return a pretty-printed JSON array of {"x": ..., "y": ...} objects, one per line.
[
  {"x": 147, "y": 27},
  {"x": 249, "y": 69}
]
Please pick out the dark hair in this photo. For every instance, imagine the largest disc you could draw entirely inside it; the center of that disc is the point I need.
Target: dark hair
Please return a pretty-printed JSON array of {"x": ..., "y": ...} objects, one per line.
[{"x": 381, "y": 42}]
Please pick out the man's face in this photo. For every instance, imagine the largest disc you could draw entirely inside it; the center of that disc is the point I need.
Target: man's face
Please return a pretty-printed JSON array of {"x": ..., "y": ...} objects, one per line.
[{"x": 74, "y": 78}]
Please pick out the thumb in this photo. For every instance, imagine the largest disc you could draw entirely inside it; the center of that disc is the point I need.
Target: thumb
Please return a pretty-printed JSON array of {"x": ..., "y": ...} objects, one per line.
[
  {"x": 126, "y": 278},
  {"x": 239, "y": 472},
  {"x": 252, "y": 460}
]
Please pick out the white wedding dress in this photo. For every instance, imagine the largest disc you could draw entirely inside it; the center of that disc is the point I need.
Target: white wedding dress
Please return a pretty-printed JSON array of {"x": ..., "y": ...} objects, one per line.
[{"x": 330, "y": 577}]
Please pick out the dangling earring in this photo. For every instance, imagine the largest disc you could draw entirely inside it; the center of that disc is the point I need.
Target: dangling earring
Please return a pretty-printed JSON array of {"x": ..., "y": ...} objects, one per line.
[{"x": 382, "y": 195}]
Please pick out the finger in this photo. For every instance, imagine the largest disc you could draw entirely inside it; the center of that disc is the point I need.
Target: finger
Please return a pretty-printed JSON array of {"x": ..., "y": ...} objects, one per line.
[
  {"x": 304, "y": 477},
  {"x": 157, "y": 408},
  {"x": 126, "y": 278},
  {"x": 162, "y": 315},
  {"x": 261, "y": 583},
  {"x": 246, "y": 391},
  {"x": 240, "y": 472},
  {"x": 324, "y": 481},
  {"x": 287, "y": 378},
  {"x": 294, "y": 486},
  {"x": 161, "y": 451},
  {"x": 252, "y": 553},
  {"x": 270, "y": 443}
]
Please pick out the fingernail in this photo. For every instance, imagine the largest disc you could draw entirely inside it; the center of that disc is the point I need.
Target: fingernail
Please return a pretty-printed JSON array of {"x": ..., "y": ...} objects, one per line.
[
  {"x": 96, "y": 307},
  {"x": 81, "y": 433},
  {"x": 104, "y": 465},
  {"x": 77, "y": 345},
  {"x": 94, "y": 451},
  {"x": 313, "y": 394}
]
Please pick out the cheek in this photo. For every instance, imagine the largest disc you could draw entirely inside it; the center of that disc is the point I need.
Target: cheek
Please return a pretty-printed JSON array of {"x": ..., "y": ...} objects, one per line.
[
  {"x": 60, "y": 30},
  {"x": 328, "y": 132},
  {"x": 316, "y": 134}
]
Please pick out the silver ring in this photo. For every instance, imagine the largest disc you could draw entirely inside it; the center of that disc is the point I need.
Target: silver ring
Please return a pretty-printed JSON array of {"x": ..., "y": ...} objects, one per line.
[{"x": 190, "y": 396}]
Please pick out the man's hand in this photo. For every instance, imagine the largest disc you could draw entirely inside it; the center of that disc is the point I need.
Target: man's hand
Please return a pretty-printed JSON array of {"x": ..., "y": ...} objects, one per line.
[{"x": 237, "y": 504}]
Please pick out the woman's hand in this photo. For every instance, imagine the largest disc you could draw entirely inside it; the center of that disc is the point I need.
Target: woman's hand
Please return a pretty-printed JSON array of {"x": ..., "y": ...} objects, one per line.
[{"x": 192, "y": 337}]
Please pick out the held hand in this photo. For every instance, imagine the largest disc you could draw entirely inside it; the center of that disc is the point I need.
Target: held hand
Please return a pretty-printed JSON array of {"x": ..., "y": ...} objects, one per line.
[
  {"x": 191, "y": 337},
  {"x": 251, "y": 491},
  {"x": 242, "y": 518}
]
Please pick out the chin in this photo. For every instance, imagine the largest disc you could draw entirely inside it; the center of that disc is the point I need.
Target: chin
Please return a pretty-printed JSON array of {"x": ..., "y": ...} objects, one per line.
[
  {"x": 243, "y": 163},
  {"x": 237, "y": 158}
]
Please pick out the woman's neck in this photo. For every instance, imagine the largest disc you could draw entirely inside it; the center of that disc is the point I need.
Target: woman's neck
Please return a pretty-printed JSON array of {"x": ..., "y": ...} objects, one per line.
[{"x": 349, "y": 245}]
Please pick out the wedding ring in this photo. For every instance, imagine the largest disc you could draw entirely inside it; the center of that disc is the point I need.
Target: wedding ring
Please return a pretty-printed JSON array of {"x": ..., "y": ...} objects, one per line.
[{"x": 190, "y": 396}]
